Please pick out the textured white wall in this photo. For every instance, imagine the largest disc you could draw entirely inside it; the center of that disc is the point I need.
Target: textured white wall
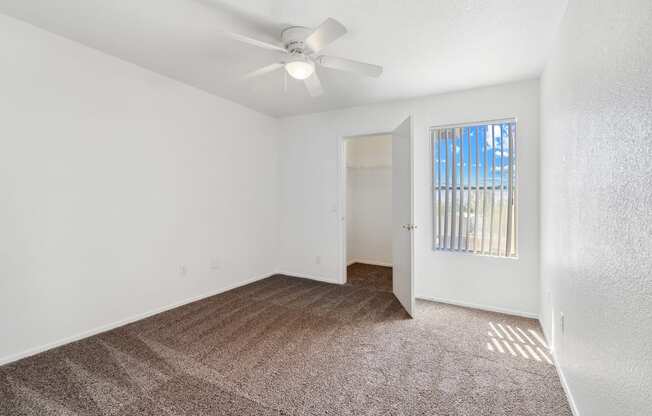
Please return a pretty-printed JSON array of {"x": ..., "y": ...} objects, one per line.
[
  {"x": 310, "y": 208},
  {"x": 111, "y": 177},
  {"x": 596, "y": 201}
]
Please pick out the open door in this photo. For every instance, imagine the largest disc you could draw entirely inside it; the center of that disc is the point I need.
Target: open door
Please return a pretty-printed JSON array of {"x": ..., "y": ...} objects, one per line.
[{"x": 402, "y": 225}]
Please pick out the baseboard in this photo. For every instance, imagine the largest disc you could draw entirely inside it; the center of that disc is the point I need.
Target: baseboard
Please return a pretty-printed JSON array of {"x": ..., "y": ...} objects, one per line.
[
  {"x": 311, "y": 277},
  {"x": 481, "y": 307},
  {"x": 371, "y": 262},
  {"x": 562, "y": 378},
  {"x": 108, "y": 327}
]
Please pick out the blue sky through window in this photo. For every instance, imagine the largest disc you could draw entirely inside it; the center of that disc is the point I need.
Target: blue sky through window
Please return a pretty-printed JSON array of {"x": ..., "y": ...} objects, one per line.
[{"x": 483, "y": 144}]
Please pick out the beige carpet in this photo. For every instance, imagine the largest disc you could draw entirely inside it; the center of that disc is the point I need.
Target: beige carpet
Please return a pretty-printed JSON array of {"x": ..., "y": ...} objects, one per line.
[{"x": 295, "y": 347}]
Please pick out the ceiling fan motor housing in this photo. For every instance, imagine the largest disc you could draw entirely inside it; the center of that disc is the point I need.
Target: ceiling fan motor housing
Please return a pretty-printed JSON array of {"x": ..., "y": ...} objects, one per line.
[{"x": 293, "y": 38}]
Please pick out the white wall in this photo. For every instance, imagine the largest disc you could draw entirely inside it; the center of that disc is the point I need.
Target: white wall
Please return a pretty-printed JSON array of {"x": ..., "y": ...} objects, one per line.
[
  {"x": 373, "y": 151},
  {"x": 369, "y": 199},
  {"x": 310, "y": 207},
  {"x": 596, "y": 200},
  {"x": 111, "y": 177}
]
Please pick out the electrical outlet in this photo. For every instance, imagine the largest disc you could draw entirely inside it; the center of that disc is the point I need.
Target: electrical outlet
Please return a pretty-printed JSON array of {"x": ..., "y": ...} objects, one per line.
[
  {"x": 183, "y": 270},
  {"x": 318, "y": 260},
  {"x": 562, "y": 323}
]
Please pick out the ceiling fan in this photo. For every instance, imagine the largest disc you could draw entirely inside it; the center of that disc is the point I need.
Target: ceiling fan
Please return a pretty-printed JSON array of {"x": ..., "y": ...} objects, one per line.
[{"x": 301, "y": 47}]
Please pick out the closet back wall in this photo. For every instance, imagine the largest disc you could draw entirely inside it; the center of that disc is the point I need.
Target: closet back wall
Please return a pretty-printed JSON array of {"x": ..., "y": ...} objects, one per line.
[{"x": 369, "y": 200}]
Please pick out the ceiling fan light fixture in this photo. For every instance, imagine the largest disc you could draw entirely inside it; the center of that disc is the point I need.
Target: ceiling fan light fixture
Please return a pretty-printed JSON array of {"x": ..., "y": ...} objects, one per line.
[
  {"x": 301, "y": 46},
  {"x": 300, "y": 68}
]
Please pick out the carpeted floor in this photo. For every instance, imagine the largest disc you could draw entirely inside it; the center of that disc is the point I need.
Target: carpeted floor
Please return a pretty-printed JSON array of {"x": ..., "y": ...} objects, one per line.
[
  {"x": 373, "y": 277},
  {"x": 289, "y": 346}
]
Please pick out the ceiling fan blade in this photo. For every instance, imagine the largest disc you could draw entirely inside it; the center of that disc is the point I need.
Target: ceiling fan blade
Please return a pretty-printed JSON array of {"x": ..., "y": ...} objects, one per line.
[
  {"x": 254, "y": 42},
  {"x": 264, "y": 70},
  {"x": 326, "y": 33},
  {"x": 313, "y": 85},
  {"x": 350, "y": 65}
]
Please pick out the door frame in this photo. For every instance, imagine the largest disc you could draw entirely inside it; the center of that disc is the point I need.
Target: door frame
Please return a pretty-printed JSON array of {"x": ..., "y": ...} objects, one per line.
[{"x": 341, "y": 191}]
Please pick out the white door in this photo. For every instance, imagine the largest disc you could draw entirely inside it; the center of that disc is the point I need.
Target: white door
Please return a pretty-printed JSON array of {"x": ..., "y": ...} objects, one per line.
[{"x": 402, "y": 225}]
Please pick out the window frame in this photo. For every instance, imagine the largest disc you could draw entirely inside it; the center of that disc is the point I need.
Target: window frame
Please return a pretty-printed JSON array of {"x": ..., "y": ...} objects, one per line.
[{"x": 515, "y": 186}]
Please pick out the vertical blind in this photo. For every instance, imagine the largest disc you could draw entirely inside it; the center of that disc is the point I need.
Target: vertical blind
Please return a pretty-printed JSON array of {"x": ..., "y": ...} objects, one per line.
[{"x": 474, "y": 181}]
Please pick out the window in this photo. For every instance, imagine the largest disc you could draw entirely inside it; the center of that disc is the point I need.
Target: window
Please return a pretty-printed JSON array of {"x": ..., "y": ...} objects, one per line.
[{"x": 474, "y": 178}]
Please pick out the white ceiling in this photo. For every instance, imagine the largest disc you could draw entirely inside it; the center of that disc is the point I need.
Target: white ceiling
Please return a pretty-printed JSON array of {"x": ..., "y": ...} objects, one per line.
[{"x": 425, "y": 46}]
